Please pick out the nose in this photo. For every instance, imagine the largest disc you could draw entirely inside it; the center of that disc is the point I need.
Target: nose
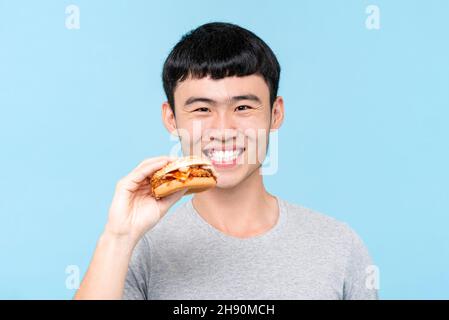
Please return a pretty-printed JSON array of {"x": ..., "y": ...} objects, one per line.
[{"x": 222, "y": 128}]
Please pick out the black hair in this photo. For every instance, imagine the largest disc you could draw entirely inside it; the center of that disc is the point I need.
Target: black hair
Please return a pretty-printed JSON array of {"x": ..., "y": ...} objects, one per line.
[{"x": 220, "y": 50}]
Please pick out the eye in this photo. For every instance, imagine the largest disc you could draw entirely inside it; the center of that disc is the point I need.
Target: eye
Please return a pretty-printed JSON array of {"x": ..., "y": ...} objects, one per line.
[
  {"x": 203, "y": 109},
  {"x": 243, "y": 108}
]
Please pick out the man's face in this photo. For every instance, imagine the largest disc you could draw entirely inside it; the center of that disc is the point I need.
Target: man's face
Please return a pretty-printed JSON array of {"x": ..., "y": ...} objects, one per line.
[{"x": 227, "y": 120}]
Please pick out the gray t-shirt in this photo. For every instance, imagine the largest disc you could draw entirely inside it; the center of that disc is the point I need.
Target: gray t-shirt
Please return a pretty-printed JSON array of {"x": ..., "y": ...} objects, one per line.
[{"x": 305, "y": 255}]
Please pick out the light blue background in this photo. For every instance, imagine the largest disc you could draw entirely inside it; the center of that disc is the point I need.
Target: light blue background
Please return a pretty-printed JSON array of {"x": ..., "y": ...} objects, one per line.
[{"x": 365, "y": 137}]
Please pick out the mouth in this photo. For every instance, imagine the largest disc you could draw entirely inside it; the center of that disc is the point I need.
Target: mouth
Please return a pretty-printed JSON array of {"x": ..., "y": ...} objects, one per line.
[{"x": 223, "y": 158}]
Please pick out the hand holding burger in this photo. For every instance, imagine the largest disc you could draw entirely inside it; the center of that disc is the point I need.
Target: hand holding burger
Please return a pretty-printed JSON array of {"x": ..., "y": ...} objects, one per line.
[
  {"x": 141, "y": 199},
  {"x": 144, "y": 196}
]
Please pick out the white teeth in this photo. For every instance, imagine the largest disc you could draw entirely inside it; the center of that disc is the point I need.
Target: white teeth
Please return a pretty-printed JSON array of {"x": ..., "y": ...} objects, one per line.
[{"x": 223, "y": 156}]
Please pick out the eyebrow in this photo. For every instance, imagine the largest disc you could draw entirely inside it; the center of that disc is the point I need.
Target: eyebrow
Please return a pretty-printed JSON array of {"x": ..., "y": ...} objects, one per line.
[{"x": 250, "y": 97}]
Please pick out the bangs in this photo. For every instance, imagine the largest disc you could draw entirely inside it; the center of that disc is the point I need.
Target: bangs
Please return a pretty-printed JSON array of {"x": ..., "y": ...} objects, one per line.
[{"x": 219, "y": 50}]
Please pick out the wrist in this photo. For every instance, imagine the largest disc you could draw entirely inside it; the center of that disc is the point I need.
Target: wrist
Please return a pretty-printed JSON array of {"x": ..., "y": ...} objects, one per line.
[{"x": 120, "y": 243}]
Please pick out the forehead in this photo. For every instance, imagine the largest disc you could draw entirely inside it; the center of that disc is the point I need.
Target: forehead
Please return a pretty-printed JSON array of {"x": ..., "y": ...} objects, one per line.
[{"x": 222, "y": 89}]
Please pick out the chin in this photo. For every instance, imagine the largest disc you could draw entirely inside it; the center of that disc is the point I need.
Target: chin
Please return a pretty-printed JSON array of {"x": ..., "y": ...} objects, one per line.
[
  {"x": 227, "y": 185},
  {"x": 230, "y": 180}
]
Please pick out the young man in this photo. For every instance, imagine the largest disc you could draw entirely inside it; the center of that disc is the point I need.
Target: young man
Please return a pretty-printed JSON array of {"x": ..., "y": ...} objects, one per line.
[{"x": 234, "y": 241}]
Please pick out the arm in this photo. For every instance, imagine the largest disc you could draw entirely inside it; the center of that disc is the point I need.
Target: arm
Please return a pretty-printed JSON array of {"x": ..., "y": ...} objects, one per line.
[
  {"x": 361, "y": 276},
  {"x": 105, "y": 277},
  {"x": 132, "y": 213}
]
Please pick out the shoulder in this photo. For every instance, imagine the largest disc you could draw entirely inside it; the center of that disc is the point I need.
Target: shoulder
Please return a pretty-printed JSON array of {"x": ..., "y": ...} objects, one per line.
[
  {"x": 335, "y": 240},
  {"x": 312, "y": 222},
  {"x": 325, "y": 232}
]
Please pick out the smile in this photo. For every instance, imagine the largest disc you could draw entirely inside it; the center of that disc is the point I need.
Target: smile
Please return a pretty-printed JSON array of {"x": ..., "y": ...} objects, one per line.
[{"x": 223, "y": 156}]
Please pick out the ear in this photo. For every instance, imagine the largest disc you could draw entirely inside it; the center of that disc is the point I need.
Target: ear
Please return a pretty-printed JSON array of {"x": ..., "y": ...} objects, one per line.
[
  {"x": 168, "y": 117},
  {"x": 277, "y": 114}
]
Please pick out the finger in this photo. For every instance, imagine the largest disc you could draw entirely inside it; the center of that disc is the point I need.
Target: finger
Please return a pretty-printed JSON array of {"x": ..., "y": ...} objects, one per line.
[
  {"x": 151, "y": 160},
  {"x": 132, "y": 181},
  {"x": 146, "y": 170}
]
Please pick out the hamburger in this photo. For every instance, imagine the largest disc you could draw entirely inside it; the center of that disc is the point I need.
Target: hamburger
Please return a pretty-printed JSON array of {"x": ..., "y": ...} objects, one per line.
[{"x": 196, "y": 174}]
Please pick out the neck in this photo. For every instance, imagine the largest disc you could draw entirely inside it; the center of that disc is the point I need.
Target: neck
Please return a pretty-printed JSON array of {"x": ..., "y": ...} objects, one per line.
[{"x": 242, "y": 211}]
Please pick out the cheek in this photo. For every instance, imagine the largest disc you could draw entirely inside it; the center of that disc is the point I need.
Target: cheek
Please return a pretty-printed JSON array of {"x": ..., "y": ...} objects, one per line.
[
  {"x": 193, "y": 130},
  {"x": 189, "y": 129},
  {"x": 257, "y": 123},
  {"x": 256, "y": 135}
]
